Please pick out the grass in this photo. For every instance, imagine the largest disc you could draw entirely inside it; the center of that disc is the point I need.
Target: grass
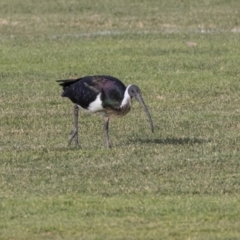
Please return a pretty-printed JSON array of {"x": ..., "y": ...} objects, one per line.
[{"x": 182, "y": 182}]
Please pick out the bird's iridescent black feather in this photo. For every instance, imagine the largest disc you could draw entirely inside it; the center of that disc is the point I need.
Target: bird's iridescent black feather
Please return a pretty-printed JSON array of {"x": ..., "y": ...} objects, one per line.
[{"x": 83, "y": 91}]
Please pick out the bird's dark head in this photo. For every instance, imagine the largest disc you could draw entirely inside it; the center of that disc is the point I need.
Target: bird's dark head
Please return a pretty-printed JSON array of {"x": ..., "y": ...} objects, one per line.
[{"x": 135, "y": 92}]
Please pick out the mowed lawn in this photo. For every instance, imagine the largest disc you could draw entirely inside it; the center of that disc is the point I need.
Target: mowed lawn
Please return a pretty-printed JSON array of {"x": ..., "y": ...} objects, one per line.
[{"x": 180, "y": 182}]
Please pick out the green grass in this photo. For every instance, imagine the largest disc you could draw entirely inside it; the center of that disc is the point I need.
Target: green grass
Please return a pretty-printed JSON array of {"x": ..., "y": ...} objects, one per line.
[{"x": 182, "y": 182}]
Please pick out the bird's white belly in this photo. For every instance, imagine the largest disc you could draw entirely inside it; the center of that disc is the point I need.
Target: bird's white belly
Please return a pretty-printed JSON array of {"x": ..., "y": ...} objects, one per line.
[{"x": 96, "y": 105}]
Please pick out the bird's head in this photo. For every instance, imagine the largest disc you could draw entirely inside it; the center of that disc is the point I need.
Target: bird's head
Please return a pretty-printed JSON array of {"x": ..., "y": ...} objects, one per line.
[{"x": 134, "y": 92}]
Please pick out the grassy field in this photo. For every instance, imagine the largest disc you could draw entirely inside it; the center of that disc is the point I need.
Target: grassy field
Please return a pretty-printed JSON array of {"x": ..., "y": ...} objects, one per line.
[{"x": 182, "y": 182}]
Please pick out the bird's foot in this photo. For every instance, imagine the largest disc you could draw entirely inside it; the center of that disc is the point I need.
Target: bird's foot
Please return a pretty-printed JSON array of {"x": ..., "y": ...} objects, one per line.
[{"x": 74, "y": 136}]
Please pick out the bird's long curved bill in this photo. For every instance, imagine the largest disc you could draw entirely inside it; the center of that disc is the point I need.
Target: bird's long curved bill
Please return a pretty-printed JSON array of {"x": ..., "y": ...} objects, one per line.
[{"x": 140, "y": 100}]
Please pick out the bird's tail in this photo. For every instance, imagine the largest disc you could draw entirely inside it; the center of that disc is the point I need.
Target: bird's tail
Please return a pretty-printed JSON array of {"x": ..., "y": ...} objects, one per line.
[{"x": 68, "y": 82}]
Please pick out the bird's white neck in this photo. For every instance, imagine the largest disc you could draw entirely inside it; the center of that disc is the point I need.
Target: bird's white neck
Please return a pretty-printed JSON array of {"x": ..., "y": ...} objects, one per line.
[{"x": 126, "y": 99}]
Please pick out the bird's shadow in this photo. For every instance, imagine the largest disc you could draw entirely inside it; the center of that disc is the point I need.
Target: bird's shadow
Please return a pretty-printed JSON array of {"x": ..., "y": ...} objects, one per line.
[{"x": 173, "y": 141}]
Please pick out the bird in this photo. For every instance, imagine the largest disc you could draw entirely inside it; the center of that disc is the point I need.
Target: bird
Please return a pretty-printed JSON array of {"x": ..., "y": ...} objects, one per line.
[{"x": 104, "y": 94}]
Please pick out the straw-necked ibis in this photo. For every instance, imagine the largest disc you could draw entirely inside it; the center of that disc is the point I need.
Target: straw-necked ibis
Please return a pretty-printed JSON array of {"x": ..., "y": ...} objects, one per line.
[{"x": 104, "y": 94}]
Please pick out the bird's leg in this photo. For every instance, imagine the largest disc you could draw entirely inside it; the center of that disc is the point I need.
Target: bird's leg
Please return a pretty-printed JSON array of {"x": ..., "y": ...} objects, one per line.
[
  {"x": 106, "y": 121},
  {"x": 75, "y": 129}
]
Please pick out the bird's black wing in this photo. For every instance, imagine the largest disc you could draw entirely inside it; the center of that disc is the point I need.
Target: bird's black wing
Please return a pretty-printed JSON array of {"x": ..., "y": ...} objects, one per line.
[
  {"x": 84, "y": 90},
  {"x": 80, "y": 91}
]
